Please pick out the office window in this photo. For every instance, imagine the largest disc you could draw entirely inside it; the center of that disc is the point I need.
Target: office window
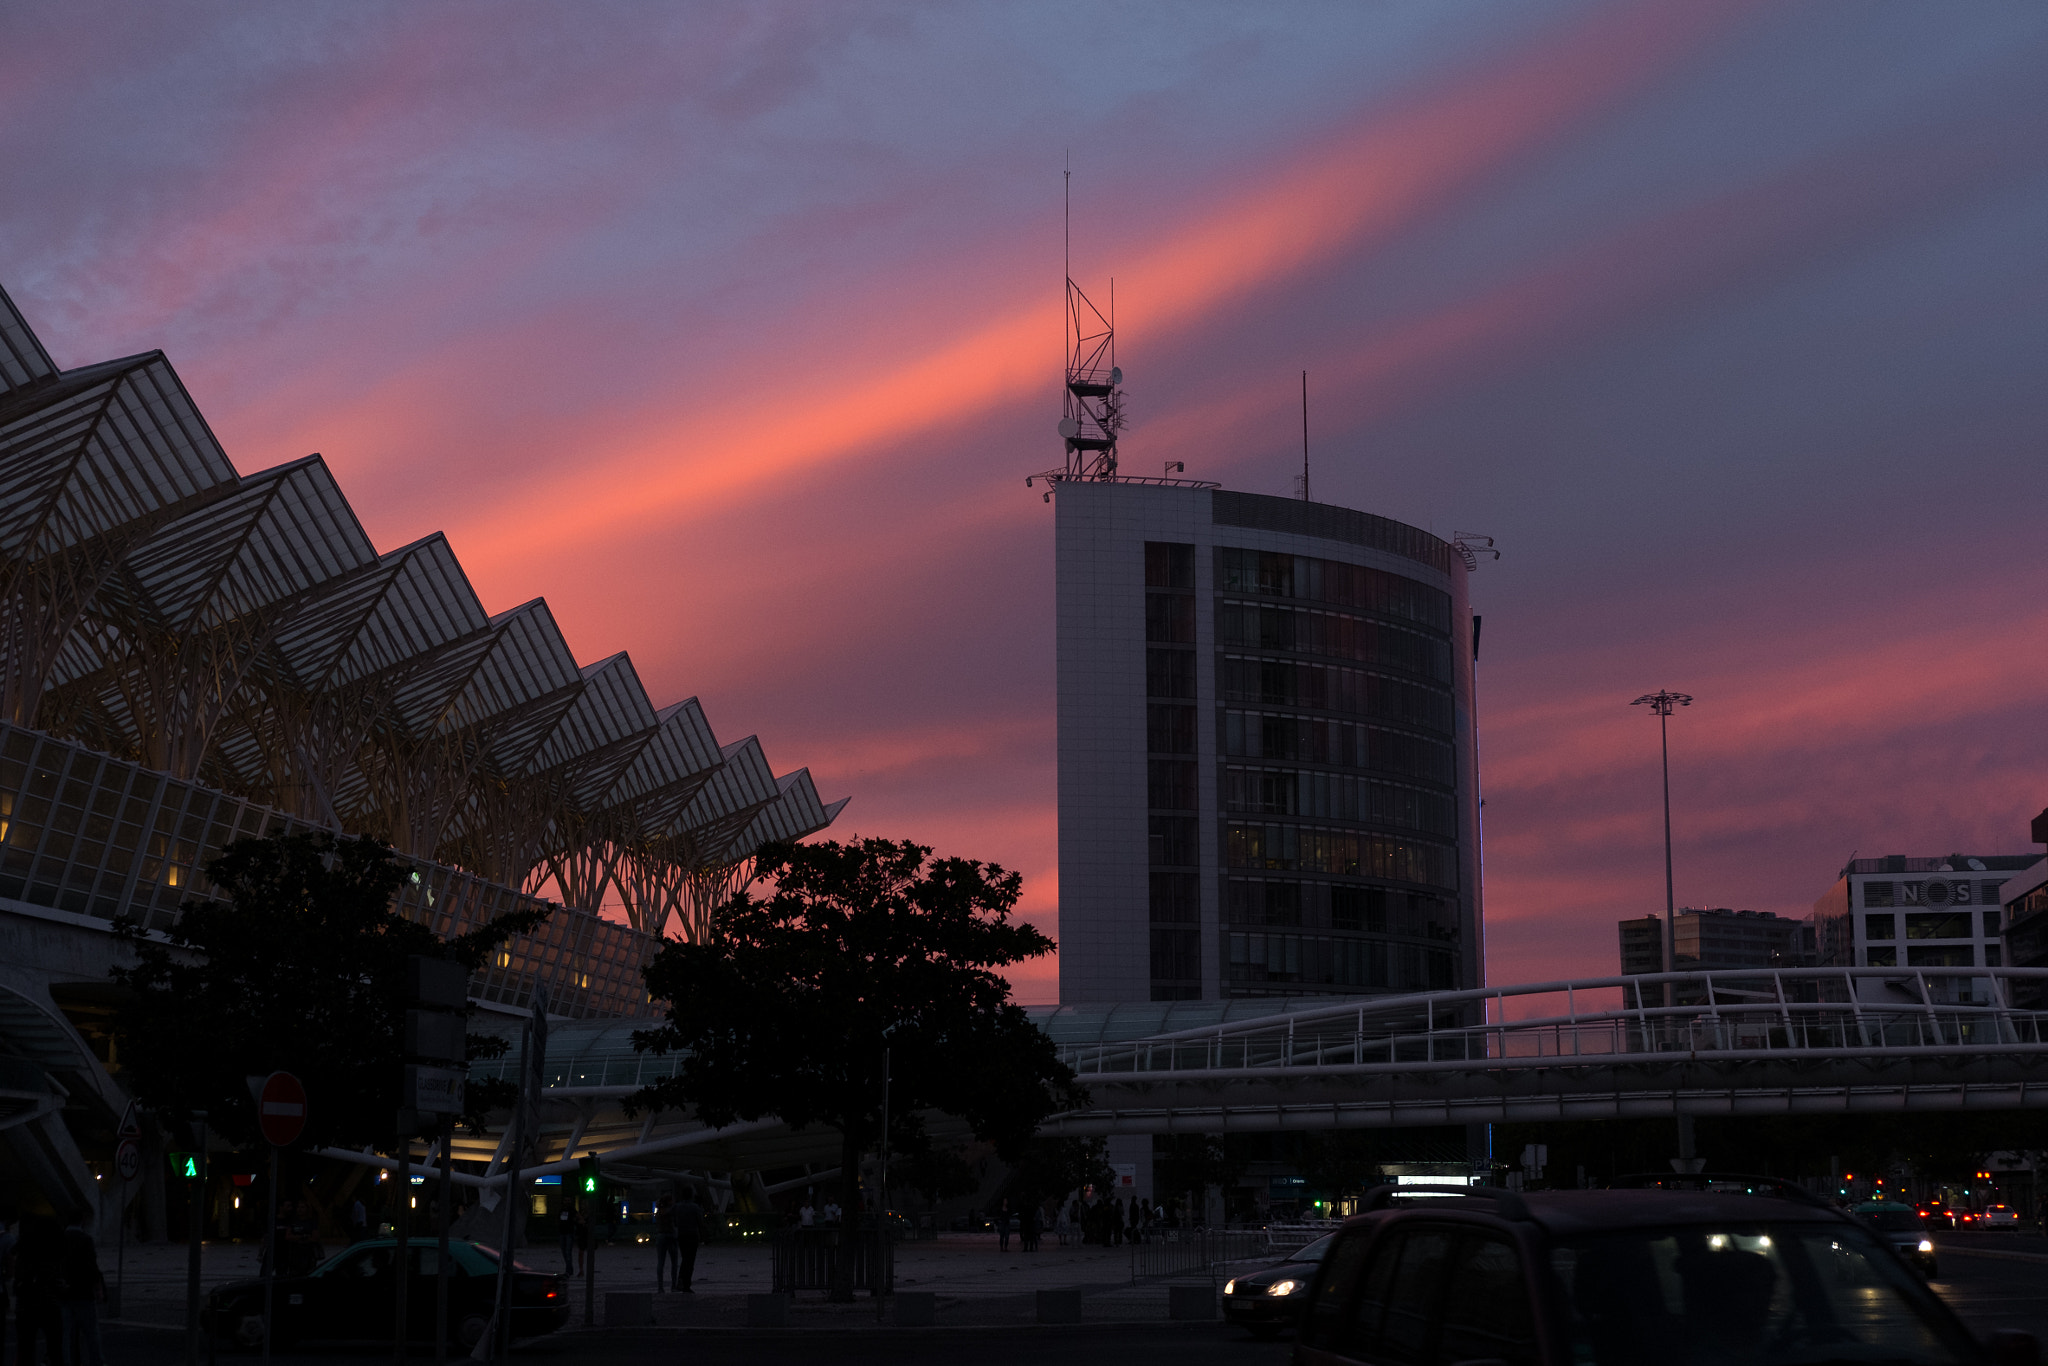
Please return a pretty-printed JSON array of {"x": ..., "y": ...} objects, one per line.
[
  {"x": 1169, "y": 728},
  {"x": 1176, "y": 963},
  {"x": 1939, "y": 925},
  {"x": 1941, "y": 956},
  {"x": 1170, "y": 673},
  {"x": 1880, "y": 926},
  {"x": 1990, "y": 924},
  {"x": 1879, "y": 893},
  {"x": 1994, "y": 955},
  {"x": 1176, "y": 898},
  {"x": 1886, "y": 957},
  {"x": 1170, "y": 618},
  {"x": 1171, "y": 785},
  {"x": 1358, "y": 908},
  {"x": 1173, "y": 841},
  {"x": 1169, "y": 565}
]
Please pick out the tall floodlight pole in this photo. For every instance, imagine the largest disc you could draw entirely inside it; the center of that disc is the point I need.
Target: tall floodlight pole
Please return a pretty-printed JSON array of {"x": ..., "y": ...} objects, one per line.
[{"x": 1662, "y": 703}]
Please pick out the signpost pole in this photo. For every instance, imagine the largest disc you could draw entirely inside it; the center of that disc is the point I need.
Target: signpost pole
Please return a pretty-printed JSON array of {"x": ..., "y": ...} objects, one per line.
[
  {"x": 443, "y": 1200},
  {"x": 127, "y": 1166},
  {"x": 270, "y": 1258},
  {"x": 121, "y": 1247},
  {"x": 399, "y": 1262},
  {"x": 196, "y": 1218},
  {"x": 591, "y": 1207},
  {"x": 281, "y": 1118}
]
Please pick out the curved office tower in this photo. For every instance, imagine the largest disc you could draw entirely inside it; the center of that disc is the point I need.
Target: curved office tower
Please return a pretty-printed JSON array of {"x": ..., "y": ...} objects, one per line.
[{"x": 1268, "y": 781}]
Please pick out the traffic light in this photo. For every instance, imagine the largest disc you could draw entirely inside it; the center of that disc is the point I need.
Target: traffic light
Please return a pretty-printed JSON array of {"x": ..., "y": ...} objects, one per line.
[
  {"x": 588, "y": 1179},
  {"x": 185, "y": 1166}
]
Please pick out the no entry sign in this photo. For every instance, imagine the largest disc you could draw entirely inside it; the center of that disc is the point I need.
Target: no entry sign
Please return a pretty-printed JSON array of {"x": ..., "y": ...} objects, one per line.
[{"x": 281, "y": 1109}]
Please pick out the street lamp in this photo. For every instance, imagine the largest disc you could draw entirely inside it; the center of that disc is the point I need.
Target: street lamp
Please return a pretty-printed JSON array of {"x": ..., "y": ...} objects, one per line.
[{"x": 1662, "y": 702}]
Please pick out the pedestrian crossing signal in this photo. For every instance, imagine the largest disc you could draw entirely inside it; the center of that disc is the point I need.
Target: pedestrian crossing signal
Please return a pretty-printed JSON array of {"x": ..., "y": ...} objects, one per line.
[
  {"x": 185, "y": 1166},
  {"x": 587, "y": 1179}
]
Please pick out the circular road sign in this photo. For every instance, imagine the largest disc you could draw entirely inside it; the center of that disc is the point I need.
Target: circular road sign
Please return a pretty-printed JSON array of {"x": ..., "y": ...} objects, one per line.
[
  {"x": 281, "y": 1109},
  {"x": 128, "y": 1159}
]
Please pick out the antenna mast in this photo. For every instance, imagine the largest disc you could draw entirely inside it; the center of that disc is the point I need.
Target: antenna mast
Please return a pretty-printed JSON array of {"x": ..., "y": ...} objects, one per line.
[
  {"x": 1304, "y": 436},
  {"x": 1092, "y": 403}
]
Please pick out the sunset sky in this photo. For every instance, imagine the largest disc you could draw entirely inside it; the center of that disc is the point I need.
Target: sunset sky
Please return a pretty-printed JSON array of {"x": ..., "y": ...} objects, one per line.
[{"x": 734, "y": 330}]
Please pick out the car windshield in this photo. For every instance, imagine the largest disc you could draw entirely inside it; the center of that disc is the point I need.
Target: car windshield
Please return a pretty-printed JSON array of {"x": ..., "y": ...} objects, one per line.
[
  {"x": 1892, "y": 1218},
  {"x": 1756, "y": 1294},
  {"x": 1315, "y": 1251}
]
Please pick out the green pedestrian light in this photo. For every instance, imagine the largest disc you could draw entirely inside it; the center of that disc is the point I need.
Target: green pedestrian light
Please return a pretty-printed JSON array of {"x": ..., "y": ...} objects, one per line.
[
  {"x": 588, "y": 1180},
  {"x": 185, "y": 1165}
]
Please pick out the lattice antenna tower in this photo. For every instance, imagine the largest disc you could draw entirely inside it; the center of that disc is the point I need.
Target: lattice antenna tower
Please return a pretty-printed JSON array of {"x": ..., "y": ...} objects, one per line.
[{"x": 1092, "y": 403}]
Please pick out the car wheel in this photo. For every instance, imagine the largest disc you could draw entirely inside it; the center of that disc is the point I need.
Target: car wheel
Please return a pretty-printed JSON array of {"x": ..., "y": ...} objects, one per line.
[{"x": 470, "y": 1331}]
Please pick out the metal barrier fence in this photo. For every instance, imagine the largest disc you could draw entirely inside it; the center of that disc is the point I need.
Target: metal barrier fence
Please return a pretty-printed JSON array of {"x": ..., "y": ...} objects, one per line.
[
  {"x": 1171, "y": 1252},
  {"x": 805, "y": 1258}
]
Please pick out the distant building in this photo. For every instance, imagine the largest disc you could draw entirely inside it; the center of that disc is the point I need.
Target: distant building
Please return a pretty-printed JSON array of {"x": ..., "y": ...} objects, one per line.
[
  {"x": 1268, "y": 781},
  {"x": 1916, "y": 912},
  {"x": 2024, "y": 912},
  {"x": 1717, "y": 938}
]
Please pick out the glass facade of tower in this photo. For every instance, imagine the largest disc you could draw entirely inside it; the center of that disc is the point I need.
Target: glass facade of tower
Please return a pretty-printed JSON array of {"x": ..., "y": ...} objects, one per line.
[
  {"x": 1337, "y": 776},
  {"x": 1267, "y": 764}
]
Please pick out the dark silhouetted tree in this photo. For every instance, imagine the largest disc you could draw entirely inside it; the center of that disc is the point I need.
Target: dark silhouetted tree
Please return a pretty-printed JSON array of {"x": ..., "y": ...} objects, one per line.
[
  {"x": 870, "y": 944},
  {"x": 302, "y": 969}
]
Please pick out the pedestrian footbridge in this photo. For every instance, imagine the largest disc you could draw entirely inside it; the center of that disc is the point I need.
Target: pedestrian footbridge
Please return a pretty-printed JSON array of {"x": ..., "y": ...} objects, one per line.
[
  {"x": 1746, "y": 1042},
  {"x": 1793, "y": 1041}
]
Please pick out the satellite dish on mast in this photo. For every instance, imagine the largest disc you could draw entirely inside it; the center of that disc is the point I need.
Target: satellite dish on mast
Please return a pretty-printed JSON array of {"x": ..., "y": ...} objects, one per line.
[
  {"x": 1069, "y": 428},
  {"x": 1116, "y": 374}
]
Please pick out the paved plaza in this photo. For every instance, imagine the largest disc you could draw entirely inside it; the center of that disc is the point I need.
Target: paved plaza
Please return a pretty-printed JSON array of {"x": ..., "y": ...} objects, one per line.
[{"x": 974, "y": 1282}]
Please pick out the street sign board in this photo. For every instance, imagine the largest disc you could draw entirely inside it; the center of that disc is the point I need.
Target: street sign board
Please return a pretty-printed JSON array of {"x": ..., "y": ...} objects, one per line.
[
  {"x": 433, "y": 1090},
  {"x": 131, "y": 1122},
  {"x": 128, "y": 1158},
  {"x": 281, "y": 1109}
]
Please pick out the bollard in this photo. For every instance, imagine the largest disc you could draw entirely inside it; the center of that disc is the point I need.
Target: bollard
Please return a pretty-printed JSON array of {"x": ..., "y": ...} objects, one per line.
[
  {"x": 767, "y": 1311},
  {"x": 1191, "y": 1302},
  {"x": 1059, "y": 1306},
  {"x": 916, "y": 1308},
  {"x": 628, "y": 1308}
]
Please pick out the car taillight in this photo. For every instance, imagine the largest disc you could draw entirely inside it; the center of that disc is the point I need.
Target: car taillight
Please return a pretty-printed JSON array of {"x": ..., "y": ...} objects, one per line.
[{"x": 551, "y": 1294}]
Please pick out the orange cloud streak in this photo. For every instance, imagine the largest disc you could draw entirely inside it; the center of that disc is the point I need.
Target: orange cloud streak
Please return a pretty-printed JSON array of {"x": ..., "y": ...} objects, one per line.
[{"x": 1362, "y": 186}]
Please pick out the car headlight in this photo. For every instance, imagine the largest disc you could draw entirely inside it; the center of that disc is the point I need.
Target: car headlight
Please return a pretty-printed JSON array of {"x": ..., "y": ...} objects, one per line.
[
  {"x": 1283, "y": 1287},
  {"x": 1230, "y": 1286},
  {"x": 1926, "y": 1246}
]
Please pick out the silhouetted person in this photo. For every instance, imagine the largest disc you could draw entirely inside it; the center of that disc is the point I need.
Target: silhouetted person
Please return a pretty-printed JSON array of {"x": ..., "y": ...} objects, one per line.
[
  {"x": 84, "y": 1288},
  {"x": 689, "y": 1233},
  {"x": 665, "y": 1243}
]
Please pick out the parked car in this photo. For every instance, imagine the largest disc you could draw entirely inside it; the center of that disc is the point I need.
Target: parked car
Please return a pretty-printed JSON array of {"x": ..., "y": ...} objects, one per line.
[
  {"x": 1777, "y": 1278},
  {"x": 1998, "y": 1216},
  {"x": 1268, "y": 1301},
  {"x": 1905, "y": 1229},
  {"x": 354, "y": 1295}
]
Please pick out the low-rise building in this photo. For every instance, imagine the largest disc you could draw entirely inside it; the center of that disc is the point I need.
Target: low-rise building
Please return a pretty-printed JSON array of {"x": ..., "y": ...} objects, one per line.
[
  {"x": 2024, "y": 912},
  {"x": 1916, "y": 912},
  {"x": 1713, "y": 938}
]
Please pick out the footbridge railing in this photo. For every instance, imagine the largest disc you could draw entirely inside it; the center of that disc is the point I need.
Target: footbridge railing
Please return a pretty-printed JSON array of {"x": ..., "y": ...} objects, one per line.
[{"x": 1751, "y": 1039}]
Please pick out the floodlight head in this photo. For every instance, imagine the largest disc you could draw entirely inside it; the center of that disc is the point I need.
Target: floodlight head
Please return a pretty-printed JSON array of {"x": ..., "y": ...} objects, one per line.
[{"x": 1662, "y": 702}]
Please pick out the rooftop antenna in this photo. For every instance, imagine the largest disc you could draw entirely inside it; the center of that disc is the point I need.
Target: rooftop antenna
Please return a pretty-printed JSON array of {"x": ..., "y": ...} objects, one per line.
[
  {"x": 1304, "y": 436},
  {"x": 1092, "y": 406}
]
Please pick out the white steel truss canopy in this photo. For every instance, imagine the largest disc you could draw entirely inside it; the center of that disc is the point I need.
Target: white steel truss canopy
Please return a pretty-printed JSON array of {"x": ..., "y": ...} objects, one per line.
[{"x": 243, "y": 632}]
